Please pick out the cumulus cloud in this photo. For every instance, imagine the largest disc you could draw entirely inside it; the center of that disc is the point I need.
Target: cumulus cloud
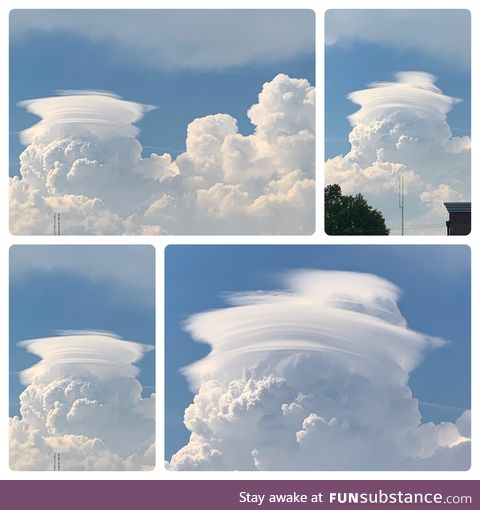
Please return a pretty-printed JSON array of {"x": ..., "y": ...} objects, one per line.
[
  {"x": 187, "y": 39},
  {"x": 442, "y": 35},
  {"x": 401, "y": 130},
  {"x": 313, "y": 377},
  {"x": 83, "y": 160},
  {"x": 83, "y": 400}
]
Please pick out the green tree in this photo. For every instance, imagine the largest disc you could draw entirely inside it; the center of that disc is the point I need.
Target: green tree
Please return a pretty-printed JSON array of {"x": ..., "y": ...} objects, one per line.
[{"x": 351, "y": 215}]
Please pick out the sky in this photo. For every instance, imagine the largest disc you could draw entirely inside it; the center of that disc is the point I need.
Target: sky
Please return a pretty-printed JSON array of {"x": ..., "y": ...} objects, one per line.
[
  {"x": 186, "y": 64},
  {"x": 369, "y": 46},
  {"x": 84, "y": 288},
  {"x": 434, "y": 283}
]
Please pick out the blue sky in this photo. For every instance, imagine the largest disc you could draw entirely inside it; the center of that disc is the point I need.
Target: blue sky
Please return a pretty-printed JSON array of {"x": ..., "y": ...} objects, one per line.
[
  {"x": 365, "y": 58},
  {"x": 55, "y": 288},
  {"x": 436, "y": 300},
  {"x": 54, "y": 51}
]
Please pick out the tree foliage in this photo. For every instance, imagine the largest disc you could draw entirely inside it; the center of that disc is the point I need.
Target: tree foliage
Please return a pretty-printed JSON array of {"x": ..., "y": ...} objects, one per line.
[{"x": 351, "y": 215}]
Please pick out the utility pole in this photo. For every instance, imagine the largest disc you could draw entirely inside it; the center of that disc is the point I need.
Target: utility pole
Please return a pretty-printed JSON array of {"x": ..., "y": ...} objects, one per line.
[
  {"x": 401, "y": 202},
  {"x": 56, "y": 461},
  {"x": 56, "y": 224}
]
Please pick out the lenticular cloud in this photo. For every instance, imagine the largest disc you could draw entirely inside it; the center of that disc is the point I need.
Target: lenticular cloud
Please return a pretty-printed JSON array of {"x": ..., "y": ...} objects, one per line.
[
  {"x": 82, "y": 113},
  {"x": 83, "y": 400},
  {"x": 401, "y": 129},
  {"x": 313, "y": 377},
  {"x": 83, "y": 160}
]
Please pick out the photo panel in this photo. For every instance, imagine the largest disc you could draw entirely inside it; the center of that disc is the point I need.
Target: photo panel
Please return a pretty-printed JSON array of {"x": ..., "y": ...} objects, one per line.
[
  {"x": 397, "y": 122},
  {"x": 311, "y": 357},
  {"x": 151, "y": 122},
  {"x": 82, "y": 364}
]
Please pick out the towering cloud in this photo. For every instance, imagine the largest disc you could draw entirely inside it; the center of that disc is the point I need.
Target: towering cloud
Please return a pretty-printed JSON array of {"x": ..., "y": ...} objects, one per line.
[
  {"x": 313, "y": 377},
  {"x": 83, "y": 400},
  {"x": 83, "y": 160},
  {"x": 401, "y": 129}
]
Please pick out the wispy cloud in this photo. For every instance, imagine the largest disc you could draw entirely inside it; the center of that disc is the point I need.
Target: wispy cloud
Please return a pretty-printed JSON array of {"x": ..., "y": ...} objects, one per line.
[
  {"x": 130, "y": 269},
  {"x": 441, "y": 34},
  {"x": 182, "y": 39}
]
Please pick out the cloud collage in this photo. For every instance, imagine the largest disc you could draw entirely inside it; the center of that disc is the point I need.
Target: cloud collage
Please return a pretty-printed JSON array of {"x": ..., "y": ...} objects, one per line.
[{"x": 309, "y": 355}]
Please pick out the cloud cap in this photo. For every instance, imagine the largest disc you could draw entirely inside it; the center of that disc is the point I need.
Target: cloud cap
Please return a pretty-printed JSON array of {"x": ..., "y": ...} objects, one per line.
[
  {"x": 98, "y": 353},
  {"x": 83, "y": 112}
]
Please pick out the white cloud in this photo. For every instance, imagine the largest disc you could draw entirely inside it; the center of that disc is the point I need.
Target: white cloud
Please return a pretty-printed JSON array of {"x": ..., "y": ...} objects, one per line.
[
  {"x": 84, "y": 401},
  {"x": 84, "y": 161},
  {"x": 401, "y": 129},
  {"x": 313, "y": 377},
  {"x": 441, "y": 34},
  {"x": 209, "y": 39},
  {"x": 82, "y": 113}
]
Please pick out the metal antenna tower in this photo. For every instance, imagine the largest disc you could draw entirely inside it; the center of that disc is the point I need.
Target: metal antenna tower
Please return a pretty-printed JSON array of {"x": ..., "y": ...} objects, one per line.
[
  {"x": 56, "y": 461},
  {"x": 401, "y": 202},
  {"x": 56, "y": 224}
]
